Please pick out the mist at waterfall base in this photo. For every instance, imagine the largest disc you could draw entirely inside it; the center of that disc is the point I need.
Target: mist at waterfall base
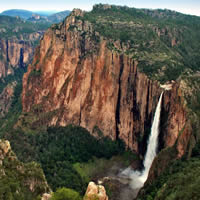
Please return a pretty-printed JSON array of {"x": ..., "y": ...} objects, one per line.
[{"x": 138, "y": 178}]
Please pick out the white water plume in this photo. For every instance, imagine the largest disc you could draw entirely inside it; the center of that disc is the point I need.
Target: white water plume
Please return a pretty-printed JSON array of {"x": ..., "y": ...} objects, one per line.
[{"x": 138, "y": 178}]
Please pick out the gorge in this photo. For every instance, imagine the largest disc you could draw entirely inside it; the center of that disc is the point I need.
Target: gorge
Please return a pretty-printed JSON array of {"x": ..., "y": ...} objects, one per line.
[
  {"x": 17, "y": 43},
  {"x": 92, "y": 100},
  {"x": 76, "y": 79}
]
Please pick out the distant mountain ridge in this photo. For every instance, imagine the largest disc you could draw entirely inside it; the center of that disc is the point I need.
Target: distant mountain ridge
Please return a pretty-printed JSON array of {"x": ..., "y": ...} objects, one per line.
[
  {"x": 25, "y": 14},
  {"x": 57, "y": 17},
  {"x": 46, "y": 13},
  {"x": 42, "y": 16}
]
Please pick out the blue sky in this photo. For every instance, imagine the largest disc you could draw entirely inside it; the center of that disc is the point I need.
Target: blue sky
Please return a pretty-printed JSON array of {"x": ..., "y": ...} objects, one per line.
[{"x": 185, "y": 6}]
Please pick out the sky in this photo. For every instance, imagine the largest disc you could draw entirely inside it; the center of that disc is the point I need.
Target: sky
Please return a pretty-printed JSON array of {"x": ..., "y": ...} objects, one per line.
[{"x": 184, "y": 6}]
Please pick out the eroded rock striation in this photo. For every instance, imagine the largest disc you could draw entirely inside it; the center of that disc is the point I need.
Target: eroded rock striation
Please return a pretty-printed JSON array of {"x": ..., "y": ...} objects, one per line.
[{"x": 75, "y": 78}]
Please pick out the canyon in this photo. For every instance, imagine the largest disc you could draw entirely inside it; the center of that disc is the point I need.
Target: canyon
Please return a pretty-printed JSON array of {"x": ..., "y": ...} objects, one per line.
[
  {"x": 101, "y": 73},
  {"x": 76, "y": 79},
  {"x": 17, "y": 52},
  {"x": 17, "y": 44}
]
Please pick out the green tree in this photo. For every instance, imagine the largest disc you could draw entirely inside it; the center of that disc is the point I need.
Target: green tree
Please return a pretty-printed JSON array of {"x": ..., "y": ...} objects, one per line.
[{"x": 65, "y": 194}]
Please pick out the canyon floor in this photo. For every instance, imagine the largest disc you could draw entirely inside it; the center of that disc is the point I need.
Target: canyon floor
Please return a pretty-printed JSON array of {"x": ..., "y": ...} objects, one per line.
[{"x": 118, "y": 187}]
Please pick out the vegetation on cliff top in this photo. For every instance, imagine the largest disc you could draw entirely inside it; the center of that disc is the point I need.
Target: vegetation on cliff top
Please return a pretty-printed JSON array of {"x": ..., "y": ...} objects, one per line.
[{"x": 166, "y": 43}]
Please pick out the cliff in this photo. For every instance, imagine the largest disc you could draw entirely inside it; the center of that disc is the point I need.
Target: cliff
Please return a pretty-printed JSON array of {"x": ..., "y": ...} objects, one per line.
[
  {"x": 18, "y": 39},
  {"x": 76, "y": 78},
  {"x": 175, "y": 123},
  {"x": 16, "y": 52},
  {"x": 18, "y": 180}
]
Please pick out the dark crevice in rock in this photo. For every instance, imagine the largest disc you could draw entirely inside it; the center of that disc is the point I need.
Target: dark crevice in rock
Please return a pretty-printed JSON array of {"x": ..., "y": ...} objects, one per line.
[
  {"x": 117, "y": 114},
  {"x": 21, "y": 59},
  {"x": 112, "y": 59},
  {"x": 80, "y": 117},
  {"x": 82, "y": 46},
  {"x": 147, "y": 124},
  {"x": 163, "y": 122},
  {"x": 7, "y": 57},
  {"x": 135, "y": 109}
]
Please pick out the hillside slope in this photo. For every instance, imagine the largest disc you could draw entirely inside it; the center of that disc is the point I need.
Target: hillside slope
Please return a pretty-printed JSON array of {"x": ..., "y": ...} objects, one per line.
[
  {"x": 179, "y": 181},
  {"x": 18, "y": 180}
]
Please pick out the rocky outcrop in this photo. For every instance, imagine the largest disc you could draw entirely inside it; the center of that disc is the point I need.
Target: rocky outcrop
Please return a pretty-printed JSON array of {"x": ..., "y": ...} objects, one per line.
[
  {"x": 4, "y": 149},
  {"x": 46, "y": 196},
  {"x": 95, "y": 192},
  {"x": 16, "y": 52},
  {"x": 76, "y": 78},
  {"x": 6, "y": 98}
]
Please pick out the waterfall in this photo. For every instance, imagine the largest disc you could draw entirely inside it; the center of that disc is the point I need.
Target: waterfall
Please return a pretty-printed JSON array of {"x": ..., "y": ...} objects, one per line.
[
  {"x": 138, "y": 178},
  {"x": 153, "y": 142}
]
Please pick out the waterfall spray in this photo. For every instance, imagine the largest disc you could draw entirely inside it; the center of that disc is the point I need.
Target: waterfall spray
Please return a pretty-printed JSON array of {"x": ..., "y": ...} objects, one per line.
[{"x": 138, "y": 178}]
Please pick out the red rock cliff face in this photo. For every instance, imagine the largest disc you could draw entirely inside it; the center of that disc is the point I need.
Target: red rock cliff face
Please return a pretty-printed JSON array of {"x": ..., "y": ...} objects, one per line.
[
  {"x": 175, "y": 132},
  {"x": 16, "y": 53},
  {"x": 176, "y": 126},
  {"x": 75, "y": 78}
]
